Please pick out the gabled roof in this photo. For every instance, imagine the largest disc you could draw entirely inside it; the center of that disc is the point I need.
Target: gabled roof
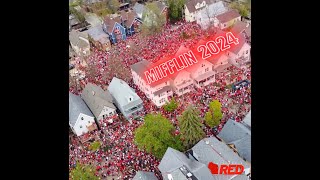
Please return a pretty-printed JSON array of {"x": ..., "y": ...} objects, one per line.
[
  {"x": 213, "y": 10},
  {"x": 239, "y": 135},
  {"x": 77, "y": 106},
  {"x": 121, "y": 92},
  {"x": 160, "y": 5},
  {"x": 140, "y": 67},
  {"x": 109, "y": 23},
  {"x": 217, "y": 152},
  {"x": 131, "y": 16},
  {"x": 138, "y": 8},
  {"x": 144, "y": 175},
  {"x": 228, "y": 16},
  {"x": 75, "y": 38},
  {"x": 236, "y": 48},
  {"x": 239, "y": 27},
  {"x": 247, "y": 119},
  {"x": 173, "y": 160},
  {"x": 96, "y": 98},
  {"x": 144, "y": 65},
  {"x": 97, "y": 34}
]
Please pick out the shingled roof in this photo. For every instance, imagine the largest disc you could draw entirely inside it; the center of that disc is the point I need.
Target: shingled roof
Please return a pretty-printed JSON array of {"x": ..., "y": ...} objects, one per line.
[
  {"x": 228, "y": 16},
  {"x": 96, "y": 98},
  {"x": 77, "y": 106},
  {"x": 212, "y": 150},
  {"x": 173, "y": 160},
  {"x": 239, "y": 135},
  {"x": 121, "y": 92},
  {"x": 144, "y": 175},
  {"x": 109, "y": 24}
]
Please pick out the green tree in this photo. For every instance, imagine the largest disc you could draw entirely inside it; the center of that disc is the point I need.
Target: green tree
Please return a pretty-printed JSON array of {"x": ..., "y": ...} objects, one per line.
[
  {"x": 243, "y": 9},
  {"x": 153, "y": 19},
  {"x": 175, "y": 8},
  {"x": 78, "y": 15},
  {"x": 113, "y": 5},
  {"x": 156, "y": 135},
  {"x": 171, "y": 106},
  {"x": 83, "y": 172},
  {"x": 190, "y": 126},
  {"x": 94, "y": 146},
  {"x": 214, "y": 114}
]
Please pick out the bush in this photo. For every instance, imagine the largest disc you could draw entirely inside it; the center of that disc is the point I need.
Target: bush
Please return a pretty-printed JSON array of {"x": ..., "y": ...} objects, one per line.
[{"x": 94, "y": 146}]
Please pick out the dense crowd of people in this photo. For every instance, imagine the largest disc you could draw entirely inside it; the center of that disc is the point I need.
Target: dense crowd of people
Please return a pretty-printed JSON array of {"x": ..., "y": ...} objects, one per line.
[{"x": 118, "y": 155}]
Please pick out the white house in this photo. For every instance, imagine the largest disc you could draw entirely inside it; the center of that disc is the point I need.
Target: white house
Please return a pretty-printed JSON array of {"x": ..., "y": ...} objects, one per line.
[
  {"x": 192, "y": 7},
  {"x": 202, "y": 72},
  {"x": 79, "y": 42},
  {"x": 181, "y": 82},
  {"x": 239, "y": 55},
  {"x": 228, "y": 18},
  {"x": 99, "y": 101},
  {"x": 81, "y": 120},
  {"x": 158, "y": 92},
  {"x": 207, "y": 15}
]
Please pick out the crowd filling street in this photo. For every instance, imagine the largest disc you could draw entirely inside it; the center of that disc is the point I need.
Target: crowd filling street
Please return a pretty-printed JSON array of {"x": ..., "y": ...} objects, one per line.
[{"x": 118, "y": 156}]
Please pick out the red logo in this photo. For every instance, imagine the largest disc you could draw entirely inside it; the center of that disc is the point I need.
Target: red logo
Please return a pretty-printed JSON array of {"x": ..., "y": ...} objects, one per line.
[{"x": 230, "y": 169}]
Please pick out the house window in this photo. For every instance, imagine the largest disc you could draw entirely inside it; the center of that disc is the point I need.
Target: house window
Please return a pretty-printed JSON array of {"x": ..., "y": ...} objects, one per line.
[
  {"x": 81, "y": 118},
  {"x": 224, "y": 25},
  {"x": 203, "y": 65},
  {"x": 207, "y": 69},
  {"x": 110, "y": 113},
  {"x": 80, "y": 126},
  {"x": 89, "y": 122},
  {"x": 247, "y": 51}
]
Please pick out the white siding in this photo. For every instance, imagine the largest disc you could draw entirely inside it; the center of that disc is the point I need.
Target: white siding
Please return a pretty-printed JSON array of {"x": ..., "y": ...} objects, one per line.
[{"x": 80, "y": 126}]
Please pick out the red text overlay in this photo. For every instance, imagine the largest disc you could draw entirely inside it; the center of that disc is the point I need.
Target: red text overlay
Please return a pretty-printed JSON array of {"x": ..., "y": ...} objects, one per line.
[
  {"x": 210, "y": 48},
  {"x": 230, "y": 169}
]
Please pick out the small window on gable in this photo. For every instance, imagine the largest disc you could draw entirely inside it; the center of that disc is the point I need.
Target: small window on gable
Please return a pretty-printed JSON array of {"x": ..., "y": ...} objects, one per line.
[
  {"x": 81, "y": 118},
  {"x": 80, "y": 126}
]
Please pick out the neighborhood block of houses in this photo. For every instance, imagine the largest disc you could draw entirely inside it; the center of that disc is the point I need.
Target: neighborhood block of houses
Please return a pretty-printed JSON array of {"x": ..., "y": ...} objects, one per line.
[{"x": 198, "y": 75}]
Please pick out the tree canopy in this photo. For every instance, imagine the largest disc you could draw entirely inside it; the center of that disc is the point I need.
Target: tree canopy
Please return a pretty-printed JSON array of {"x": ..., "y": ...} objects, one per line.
[
  {"x": 171, "y": 106},
  {"x": 214, "y": 114},
  {"x": 190, "y": 126},
  {"x": 242, "y": 8},
  {"x": 175, "y": 8},
  {"x": 83, "y": 172},
  {"x": 156, "y": 135},
  {"x": 153, "y": 19}
]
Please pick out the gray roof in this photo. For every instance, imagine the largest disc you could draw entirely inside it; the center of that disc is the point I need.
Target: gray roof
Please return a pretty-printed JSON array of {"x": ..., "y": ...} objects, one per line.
[
  {"x": 96, "y": 98},
  {"x": 144, "y": 175},
  {"x": 241, "y": 177},
  {"x": 138, "y": 8},
  {"x": 74, "y": 37},
  {"x": 239, "y": 135},
  {"x": 162, "y": 90},
  {"x": 77, "y": 106},
  {"x": 121, "y": 92},
  {"x": 97, "y": 34},
  {"x": 247, "y": 119},
  {"x": 216, "y": 152},
  {"x": 173, "y": 160},
  {"x": 140, "y": 67}
]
